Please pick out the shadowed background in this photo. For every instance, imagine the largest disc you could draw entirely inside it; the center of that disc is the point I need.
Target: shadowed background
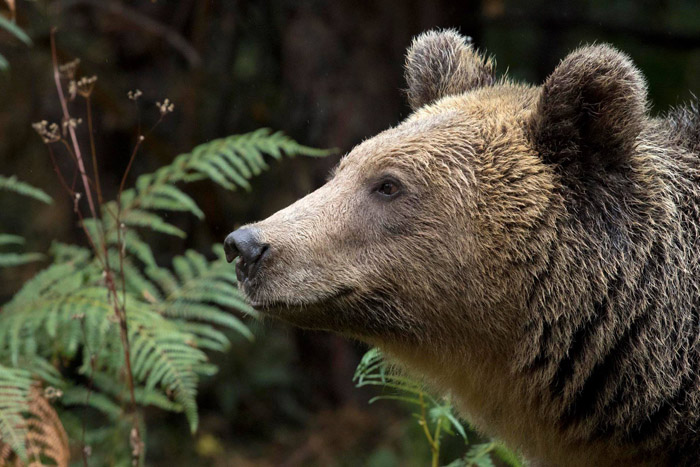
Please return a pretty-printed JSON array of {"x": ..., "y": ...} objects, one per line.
[{"x": 327, "y": 73}]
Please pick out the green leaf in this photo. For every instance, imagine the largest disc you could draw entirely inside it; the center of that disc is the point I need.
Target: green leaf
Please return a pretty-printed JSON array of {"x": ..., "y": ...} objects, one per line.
[
  {"x": 15, "y": 385},
  {"x": 170, "y": 198},
  {"x": 506, "y": 455},
  {"x": 7, "y": 239},
  {"x": 15, "y": 30},
  {"x": 16, "y": 259},
  {"x": 445, "y": 412},
  {"x": 65, "y": 318},
  {"x": 148, "y": 220},
  {"x": 478, "y": 455},
  {"x": 22, "y": 188}
]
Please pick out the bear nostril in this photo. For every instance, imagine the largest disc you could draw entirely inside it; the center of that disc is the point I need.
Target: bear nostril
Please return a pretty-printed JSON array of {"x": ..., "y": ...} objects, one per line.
[
  {"x": 230, "y": 248},
  {"x": 245, "y": 243}
]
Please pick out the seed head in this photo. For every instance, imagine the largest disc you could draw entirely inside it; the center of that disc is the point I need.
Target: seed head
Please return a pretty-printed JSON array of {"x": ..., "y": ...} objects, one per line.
[
  {"x": 49, "y": 132},
  {"x": 68, "y": 69},
  {"x": 134, "y": 95},
  {"x": 72, "y": 90},
  {"x": 71, "y": 123},
  {"x": 85, "y": 85},
  {"x": 165, "y": 107}
]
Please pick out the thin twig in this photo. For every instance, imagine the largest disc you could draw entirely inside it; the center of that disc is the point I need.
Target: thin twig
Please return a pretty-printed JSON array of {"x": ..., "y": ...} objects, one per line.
[
  {"x": 96, "y": 175},
  {"x": 60, "y": 176},
  {"x": 66, "y": 118},
  {"x": 128, "y": 168}
]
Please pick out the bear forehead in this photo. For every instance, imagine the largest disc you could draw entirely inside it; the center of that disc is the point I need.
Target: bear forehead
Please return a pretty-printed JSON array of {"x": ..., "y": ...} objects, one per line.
[
  {"x": 458, "y": 123},
  {"x": 504, "y": 101}
]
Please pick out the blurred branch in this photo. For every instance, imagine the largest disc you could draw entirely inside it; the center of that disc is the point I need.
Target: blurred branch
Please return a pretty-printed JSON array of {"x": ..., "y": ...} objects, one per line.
[
  {"x": 11, "y": 6},
  {"x": 644, "y": 34},
  {"x": 146, "y": 23}
]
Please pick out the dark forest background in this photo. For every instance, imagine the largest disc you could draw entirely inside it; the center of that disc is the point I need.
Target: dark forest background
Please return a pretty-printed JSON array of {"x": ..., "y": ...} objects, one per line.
[{"x": 328, "y": 73}]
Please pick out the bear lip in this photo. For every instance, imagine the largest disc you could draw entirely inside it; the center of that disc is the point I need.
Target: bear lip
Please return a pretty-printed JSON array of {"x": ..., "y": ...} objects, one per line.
[{"x": 267, "y": 307}]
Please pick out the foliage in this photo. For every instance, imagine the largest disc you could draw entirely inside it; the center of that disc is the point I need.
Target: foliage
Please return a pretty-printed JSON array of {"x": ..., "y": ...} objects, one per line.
[
  {"x": 17, "y": 186},
  {"x": 94, "y": 312},
  {"x": 30, "y": 427},
  {"x": 434, "y": 415},
  {"x": 14, "y": 388},
  {"x": 17, "y": 32},
  {"x": 12, "y": 258}
]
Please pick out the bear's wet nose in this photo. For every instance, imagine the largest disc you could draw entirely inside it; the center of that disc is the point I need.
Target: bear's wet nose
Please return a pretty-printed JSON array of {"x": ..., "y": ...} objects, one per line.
[{"x": 245, "y": 243}]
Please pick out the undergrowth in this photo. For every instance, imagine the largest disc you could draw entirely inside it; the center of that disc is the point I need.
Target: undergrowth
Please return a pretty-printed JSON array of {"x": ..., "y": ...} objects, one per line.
[
  {"x": 435, "y": 416},
  {"x": 104, "y": 330}
]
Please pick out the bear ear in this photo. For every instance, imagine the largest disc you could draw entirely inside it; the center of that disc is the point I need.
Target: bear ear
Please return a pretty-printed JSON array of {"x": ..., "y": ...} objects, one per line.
[
  {"x": 591, "y": 109},
  {"x": 443, "y": 63}
]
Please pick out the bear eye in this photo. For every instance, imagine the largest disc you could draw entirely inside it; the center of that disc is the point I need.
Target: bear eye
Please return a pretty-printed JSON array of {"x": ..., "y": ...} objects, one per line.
[{"x": 388, "y": 188}]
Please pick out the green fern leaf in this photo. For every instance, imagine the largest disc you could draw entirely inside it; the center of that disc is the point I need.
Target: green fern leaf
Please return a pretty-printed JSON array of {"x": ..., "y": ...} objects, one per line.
[
  {"x": 170, "y": 198},
  {"x": 22, "y": 188},
  {"x": 16, "y": 259},
  {"x": 65, "y": 313},
  {"x": 7, "y": 239},
  {"x": 148, "y": 220},
  {"x": 63, "y": 252},
  {"x": 15, "y": 385},
  {"x": 15, "y": 30}
]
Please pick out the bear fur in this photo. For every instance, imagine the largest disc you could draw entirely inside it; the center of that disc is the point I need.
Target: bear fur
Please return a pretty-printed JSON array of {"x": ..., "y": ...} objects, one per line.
[{"x": 532, "y": 250}]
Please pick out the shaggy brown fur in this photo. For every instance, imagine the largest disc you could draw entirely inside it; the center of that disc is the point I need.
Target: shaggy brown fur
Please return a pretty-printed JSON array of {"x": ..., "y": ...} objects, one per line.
[{"x": 532, "y": 250}]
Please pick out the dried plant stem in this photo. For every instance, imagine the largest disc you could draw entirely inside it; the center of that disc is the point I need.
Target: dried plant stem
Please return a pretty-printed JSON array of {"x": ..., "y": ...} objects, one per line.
[
  {"x": 60, "y": 176},
  {"x": 128, "y": 168},
  {"x": 71, "y": 130},
  {"x": 96, "y": 175},
  {"x": 110, "y": 282}
]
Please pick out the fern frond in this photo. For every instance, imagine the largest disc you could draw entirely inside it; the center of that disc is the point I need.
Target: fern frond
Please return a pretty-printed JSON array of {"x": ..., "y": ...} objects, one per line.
[
  {"x": 374, "y": 371},
  {"x": 164, "y": 352},
  {"x": 8, "y": 259},
  {"x": 199, "y": 291},
  {"x": 42, "y": 370},
  {"x": 15, "y": 259},
  {"x": 46, "y": 437},
  {"x": 22, "y": 188},
  {"x": 141, "y": 218},
  {"x": 62, "y": 252},
  {"x": 15, "y": 30},
  {"x": 80, "y": 395},
  {"x": 15, "y": 386},
  {"x": 163, "y": 356},
  {"x": 66, "y": 313},
  {"x": 170, "y": 198},
  {"x": 8, "y": 239},
  {"x": 229, "y": 162}
]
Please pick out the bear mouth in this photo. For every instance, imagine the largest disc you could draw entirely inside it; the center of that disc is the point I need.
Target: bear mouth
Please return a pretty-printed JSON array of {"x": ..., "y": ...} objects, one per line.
[{"x": 277, "y": 307}]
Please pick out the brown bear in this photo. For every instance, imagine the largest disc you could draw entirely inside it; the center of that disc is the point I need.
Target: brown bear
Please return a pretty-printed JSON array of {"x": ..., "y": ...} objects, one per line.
[{"x": 532, "y": 250}]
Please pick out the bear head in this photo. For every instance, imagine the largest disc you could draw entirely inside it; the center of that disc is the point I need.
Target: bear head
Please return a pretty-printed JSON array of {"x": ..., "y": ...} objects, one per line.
[{"x": 426, "y": 233}]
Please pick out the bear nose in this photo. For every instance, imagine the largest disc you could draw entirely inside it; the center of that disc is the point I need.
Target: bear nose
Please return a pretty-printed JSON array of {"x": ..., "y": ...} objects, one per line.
[{"x": 245, "y": 243}]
